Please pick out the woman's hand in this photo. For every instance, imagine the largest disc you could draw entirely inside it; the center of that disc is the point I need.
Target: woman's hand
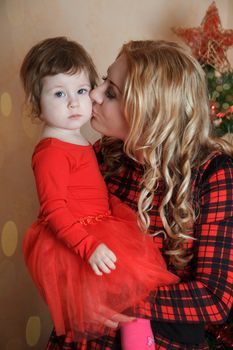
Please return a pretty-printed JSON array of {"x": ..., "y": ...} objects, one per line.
[
  {"x": 102, "y": 260},
  {"x": 117, "y": 320},
  {"x": 110, "y": 318}
]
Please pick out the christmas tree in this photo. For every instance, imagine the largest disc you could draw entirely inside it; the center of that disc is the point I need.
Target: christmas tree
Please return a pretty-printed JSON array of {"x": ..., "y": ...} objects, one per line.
[
  {"x": 220, "y": 87},
  {"x": 209, "y": 44}
]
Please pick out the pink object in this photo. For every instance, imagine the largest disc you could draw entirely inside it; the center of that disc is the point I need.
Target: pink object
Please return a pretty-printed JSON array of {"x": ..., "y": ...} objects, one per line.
[{"x": 137, "y": 335}]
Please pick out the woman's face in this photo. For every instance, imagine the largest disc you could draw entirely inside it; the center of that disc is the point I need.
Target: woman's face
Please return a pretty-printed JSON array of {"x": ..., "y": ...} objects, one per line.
[{"x": 108, "y": 108}]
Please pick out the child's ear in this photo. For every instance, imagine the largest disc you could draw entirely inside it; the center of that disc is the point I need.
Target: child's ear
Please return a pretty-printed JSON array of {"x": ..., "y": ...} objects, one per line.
[
  {"x": 34, "y": 105},
  {"x": 30, "y": 109}
]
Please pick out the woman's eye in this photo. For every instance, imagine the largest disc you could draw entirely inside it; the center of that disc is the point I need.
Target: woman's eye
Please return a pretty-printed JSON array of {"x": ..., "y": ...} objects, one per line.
[
  {"x": 59, "y": 94},
  {"x": 82, "y": 91},
  {"x": 110, "y": 93}
]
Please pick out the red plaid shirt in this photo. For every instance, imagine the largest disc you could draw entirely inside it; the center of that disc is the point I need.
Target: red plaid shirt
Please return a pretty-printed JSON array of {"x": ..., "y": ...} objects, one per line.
[{"x": 205, "y": 293}]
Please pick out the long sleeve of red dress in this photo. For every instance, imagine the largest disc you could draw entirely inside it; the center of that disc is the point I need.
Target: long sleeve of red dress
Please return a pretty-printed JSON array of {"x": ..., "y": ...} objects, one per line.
[{"x": 52, "y": 168}]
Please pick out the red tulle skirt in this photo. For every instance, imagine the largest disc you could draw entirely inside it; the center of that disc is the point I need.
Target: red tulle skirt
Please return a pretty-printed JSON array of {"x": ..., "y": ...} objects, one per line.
[{"x": 79, "y": 301}]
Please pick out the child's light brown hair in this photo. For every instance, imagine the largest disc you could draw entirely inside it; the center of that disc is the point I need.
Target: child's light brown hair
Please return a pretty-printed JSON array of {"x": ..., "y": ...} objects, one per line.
[{"x": 49, "y": 57}]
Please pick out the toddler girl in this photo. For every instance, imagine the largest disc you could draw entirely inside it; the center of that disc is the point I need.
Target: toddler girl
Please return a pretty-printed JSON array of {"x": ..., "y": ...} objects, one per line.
[{"x": 85, "y": 252}]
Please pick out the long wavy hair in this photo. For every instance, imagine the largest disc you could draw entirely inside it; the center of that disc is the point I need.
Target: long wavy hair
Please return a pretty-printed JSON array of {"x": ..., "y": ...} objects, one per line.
[{"x": 166, "y": 106}]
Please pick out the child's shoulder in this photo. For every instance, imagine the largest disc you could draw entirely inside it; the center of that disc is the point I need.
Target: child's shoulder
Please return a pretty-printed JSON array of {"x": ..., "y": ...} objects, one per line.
[
  {"x": 54, "y": 150},
  {"x": 51, "y": 143},
  {"x": 51, "y": 150},
  {"x": 55, "y": 144}
]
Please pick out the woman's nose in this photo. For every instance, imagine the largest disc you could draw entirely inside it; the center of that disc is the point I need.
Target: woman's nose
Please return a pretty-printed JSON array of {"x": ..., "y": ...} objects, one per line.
[{"x": 97, "y": 94}]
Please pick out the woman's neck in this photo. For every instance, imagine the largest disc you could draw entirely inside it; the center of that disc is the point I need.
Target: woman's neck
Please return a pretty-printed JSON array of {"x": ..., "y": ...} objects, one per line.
[{"x": 70, "y": 136}]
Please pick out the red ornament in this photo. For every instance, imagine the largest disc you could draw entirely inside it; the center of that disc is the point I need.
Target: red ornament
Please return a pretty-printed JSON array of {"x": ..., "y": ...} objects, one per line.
[
  {"x": 224, "y": 114},
  {"x": 209, "y": 42},
  {"x": 213, "y": 110}
]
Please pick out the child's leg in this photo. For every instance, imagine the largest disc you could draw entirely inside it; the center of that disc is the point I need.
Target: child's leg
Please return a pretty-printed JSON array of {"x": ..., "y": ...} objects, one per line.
[{"x": 137, "y": 335}]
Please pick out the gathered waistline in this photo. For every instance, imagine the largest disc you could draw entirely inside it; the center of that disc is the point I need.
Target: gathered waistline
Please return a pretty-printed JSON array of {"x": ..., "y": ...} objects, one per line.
[
  {"x": 86, "y": 220},
  {"x": 83, "y": 220}
]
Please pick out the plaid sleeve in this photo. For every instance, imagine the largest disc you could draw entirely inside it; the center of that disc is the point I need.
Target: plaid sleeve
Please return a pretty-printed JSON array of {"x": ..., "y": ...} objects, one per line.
[{"x": 208, "y": 297}]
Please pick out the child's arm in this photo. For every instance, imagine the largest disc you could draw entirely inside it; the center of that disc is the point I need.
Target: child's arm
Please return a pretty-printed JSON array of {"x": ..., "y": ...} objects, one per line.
[{"x": 52, "y": 167}]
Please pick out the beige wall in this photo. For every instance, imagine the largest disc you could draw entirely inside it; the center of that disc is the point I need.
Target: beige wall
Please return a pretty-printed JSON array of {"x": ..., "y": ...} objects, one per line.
[{"x": 101, "y": 26}]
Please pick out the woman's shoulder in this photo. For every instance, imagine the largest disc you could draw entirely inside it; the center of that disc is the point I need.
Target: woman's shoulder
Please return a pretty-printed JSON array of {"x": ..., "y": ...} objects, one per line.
[
  {"x": 123, "y": 162},
  {"x": 97, "y": 147},
  {"x": 215, "y": 162}
]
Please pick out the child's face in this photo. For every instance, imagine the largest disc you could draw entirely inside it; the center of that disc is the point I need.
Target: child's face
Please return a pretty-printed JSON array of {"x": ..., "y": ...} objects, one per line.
[{"x": 65, "y": 101}]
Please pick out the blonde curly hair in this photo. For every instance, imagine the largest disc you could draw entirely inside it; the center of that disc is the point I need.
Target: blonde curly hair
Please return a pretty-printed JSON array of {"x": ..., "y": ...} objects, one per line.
[{"x": 166, "y": 106}]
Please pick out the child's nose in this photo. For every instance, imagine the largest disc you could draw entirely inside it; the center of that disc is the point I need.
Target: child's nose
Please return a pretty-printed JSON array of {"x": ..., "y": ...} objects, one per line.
[
  {"x": 97, "y": 94},
  {"x": 73, "y": 101}
]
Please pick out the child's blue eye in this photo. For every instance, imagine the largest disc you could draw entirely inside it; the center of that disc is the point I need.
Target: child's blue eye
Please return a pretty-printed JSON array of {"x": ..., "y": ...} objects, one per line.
[
  {"x": 82, "y": 91},
  {"x": 59, "y": 94}
]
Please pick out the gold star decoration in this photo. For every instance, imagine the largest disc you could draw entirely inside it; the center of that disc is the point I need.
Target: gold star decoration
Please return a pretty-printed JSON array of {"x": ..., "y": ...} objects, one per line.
[{"x": 209, "y": 42}]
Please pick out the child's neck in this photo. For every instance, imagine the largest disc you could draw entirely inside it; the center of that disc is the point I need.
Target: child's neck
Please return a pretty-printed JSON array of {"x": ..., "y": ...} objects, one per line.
[{"x": 70, "y": 136}]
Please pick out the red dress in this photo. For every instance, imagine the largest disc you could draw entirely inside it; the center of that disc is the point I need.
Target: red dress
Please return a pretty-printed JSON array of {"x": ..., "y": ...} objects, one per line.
[{"x": 76, "y": 215}]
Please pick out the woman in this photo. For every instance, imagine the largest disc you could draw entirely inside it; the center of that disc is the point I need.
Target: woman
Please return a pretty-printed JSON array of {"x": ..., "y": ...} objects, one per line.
[{"x": 159, "y": 157}]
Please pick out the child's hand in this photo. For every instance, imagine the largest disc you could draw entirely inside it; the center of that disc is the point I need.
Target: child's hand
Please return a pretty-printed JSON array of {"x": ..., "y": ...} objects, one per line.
[{"x": 102, "y": 260}]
